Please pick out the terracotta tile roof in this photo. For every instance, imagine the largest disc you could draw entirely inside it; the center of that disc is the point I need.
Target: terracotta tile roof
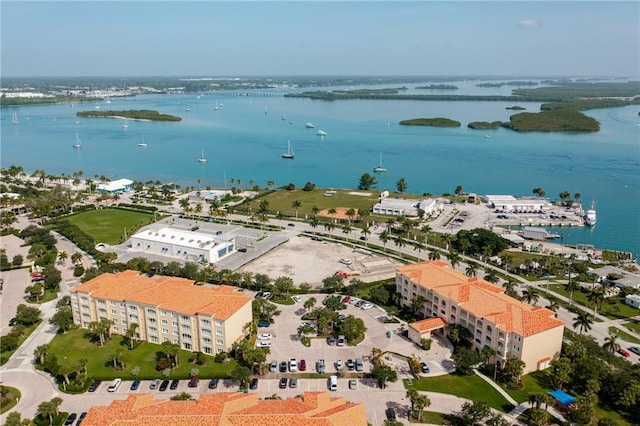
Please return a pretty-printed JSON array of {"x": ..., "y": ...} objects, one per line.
[
  {"x": 170, "y": 293},
  {"x": 228, "y": 408},
  {"x": 428, "y": 324},
  {"x": 481, "y": 298}
]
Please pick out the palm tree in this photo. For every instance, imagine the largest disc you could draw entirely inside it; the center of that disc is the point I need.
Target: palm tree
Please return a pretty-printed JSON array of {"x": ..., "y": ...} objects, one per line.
[
  {"x": 492, "y": 276},
  {"x": 583, "y": 322},
  {"x": 412, "y": 395},
  {"x": 454, "y": 258},
  {"x": 472, "y": 269},
  {"x": 329, "y": 226},
  {"x": 553, "y": 305},
  {"x": 63, "y": 256},
  {"x": 446, "y": 240},
  {"x": 571, "y": 286},
  {"x": 399, "y": 242},
  {"x": 434, "y": 255},
  {"x": 365, "y": 233},
  {"x": 597, "y": 297},
  {"x": 332, "y": 211},
  {"x": 610, "y": 343},
  {"x": 309, "y": 303},
  {"x": 351, "y": 213},
  {"x": 422, "y": 402},
  {"x": 530, "y": 296},
  {"x": 384, "y": 237},
  {"x": 296, "y": 205},
  {"x": 510, "y": 287}
]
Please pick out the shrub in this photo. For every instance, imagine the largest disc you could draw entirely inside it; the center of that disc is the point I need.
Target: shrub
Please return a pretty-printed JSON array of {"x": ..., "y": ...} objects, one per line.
[
  {"x": 163, "y": 364},
  {"x": 78, "y": 271}
]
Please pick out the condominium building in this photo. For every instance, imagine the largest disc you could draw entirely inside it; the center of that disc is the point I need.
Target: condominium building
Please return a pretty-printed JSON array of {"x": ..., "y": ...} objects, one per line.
[
  {"x": 230, "y": 408},
  {"x": 197, "y": 318},
  {"x": 508, "y": 326}
]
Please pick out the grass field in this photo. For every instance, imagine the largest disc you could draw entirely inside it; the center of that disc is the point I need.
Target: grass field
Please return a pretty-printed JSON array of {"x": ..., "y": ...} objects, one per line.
[
  {"x": 281, "y": 201},
  {"x": 108, "y": 225},
  {"x": 470, "y": 387},
  {"x": 610, "y": 310},
  {"x": 11, "y": 399},
  {"x": 633, "y": 326},
  {"x": 624, "y": 335},
  {"x": 4, "y": 356},
  {"x": 69, "y": 348}
]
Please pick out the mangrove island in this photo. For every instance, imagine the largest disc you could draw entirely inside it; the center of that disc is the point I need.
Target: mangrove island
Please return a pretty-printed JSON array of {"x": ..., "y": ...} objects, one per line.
[{"x": 132, "y": 114}]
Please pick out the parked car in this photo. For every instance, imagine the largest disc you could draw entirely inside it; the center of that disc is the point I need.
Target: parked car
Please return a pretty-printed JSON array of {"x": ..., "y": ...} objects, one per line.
[
  {"x": 624, "y": 353},
  {"x": 213, "y": 383},
  {"x": 263, "y": 344},
  {"x": 94, "y": 385},
  {"x": 291, "y": 224},
  {"x": 390, "y": 413},
  {"x": 424, "y": 367},
  {"x": 302, "y": 366},
  {"x": 264, "y": 324},
  {"x": 331, "y": 340},
  {"x": 174, "y": 384},
  {"x": 164, "y": 385},
  {"x": 154, "y": 384},
  {"x": 253, "y": 384},
  {"x": 320, "y": 366},
  {"x": 341, "y": 340},
  {"x": 346, "y": 299},
  {"x": 359, "y": 364},
  {"x": 242, "y": 249},
  {"x": 293, "y": 365},
  {"x": 293, "y": 382},
  {"x": 81, "y": 418},
  {"x": 265, "y": 336},
  {"x": 135, "y": 385},
  {"x": 283, "y": 367},
  {"x": 350, "y": 365},
  {"x": 366, "y": 306},
  {"x": 70, "y": 419},
  {"x": 635, "y": 349},
  {"x": 346, "y": 261},
  {"x": 193, "y": 383},
  {"x": 353, "y": 384},
  {"x": 339, "y": 365},
  {"x": 297, "y": 299},
  {"x": 283, "y": 383},
  {"x": 273, "y": 367}
]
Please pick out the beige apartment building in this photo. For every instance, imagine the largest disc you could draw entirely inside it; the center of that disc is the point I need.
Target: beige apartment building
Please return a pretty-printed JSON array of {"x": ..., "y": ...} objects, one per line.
[
  {"x": 172, "y": 309},
  {"x": 508, "y": 326}
]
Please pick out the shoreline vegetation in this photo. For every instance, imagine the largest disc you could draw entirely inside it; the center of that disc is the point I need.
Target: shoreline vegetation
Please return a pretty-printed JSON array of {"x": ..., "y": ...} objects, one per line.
[
  {"x": 434, "y": 122},
  {"x": 132, "y": 114}
]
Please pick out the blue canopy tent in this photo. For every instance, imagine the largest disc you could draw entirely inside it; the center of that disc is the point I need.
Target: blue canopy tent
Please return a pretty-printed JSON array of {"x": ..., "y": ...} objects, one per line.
[{"x": 563, "y": 397}]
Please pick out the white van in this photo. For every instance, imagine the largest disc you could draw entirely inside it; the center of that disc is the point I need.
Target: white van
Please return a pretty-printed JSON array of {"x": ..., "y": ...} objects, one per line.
[
  {"x": 115, "y": 385},
  {"x": 333, "y": 383}
]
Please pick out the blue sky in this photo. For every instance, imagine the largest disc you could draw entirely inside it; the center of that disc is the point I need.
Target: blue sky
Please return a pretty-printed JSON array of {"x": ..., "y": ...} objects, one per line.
[{"x": 122, "y": 38}]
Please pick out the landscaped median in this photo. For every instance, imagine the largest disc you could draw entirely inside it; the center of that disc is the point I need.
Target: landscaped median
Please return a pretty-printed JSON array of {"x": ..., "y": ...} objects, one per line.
[{"x": 67, "y": 353}]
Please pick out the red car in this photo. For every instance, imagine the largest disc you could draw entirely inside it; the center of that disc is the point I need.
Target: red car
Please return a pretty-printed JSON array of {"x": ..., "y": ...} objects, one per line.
[
  {"x": 346, "y": 299},
  {"x": 624, "y": 353},
  {"x": 302, "y": 366}
]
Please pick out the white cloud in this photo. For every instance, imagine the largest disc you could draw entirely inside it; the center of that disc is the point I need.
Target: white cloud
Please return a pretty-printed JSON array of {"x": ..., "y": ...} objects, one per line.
[{"x": 529, "y": 23}]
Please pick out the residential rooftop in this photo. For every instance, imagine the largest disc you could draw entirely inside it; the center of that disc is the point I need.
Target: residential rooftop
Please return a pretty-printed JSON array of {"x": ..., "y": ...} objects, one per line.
[
  {"x": 170, "y": 293},
  {"x": 481, "y": 298}
]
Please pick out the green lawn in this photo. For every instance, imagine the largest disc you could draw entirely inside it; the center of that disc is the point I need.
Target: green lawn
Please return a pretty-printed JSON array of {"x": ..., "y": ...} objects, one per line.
[
  {"x": 532, "y": 383},
  {"x": 624, "y": 336},
  {"x": 11, "y": 400},
  {"x": 633, "y": 326},
  {"x": 610, "y": 310},
  {"x": 433, "y": 418},
  {"x": 470, "y": 387},
  {"x": 108, "y": 225},
  {"x": 49, "y": 295},
  {"x": 69, "y": 348},
  {"x": 4, "y": 356},
  {"x": 281, "y": 201}
]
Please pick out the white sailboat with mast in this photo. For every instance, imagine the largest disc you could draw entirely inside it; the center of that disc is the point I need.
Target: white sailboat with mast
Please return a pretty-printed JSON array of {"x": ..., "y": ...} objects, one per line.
[
  {"x": 379, "y": 168},
  {"x": 289, "y": 154},
  {"x": 15, "y": 118},
  {"x": 143, "y": 144},
  {"x": 202, "y": 158},
  {"x": 77, "y": 145}
]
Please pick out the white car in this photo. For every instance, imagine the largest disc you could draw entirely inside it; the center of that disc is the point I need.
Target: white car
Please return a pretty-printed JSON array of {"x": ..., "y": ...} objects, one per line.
[
  {"x": 263, "y": 344},
  {"x": 366, "y": 306},
  {"x": 297, "y": 299},
  {"x": 265, "y": 336},
  {"x": 346, "y": 261}
]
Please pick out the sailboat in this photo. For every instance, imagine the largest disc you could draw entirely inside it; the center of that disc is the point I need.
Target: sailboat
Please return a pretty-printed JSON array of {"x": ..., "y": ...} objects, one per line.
[
  {"x": 202, "y": 158},
  {"x": 188, "y": 108},
  {"x": 380, "y": 169},
  {"x": 289, "y": 153},
  {"x": 126, "y": 124},
  {"x": 15, "y": 118},
  {"x": 77, "y": 145},
  {"x": 143, "y": 144},
  {"x": 217, "y": 107}
]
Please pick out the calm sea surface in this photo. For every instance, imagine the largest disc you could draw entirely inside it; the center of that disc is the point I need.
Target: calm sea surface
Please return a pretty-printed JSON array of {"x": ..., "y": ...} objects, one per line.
[{"x": 245, "y": 137}]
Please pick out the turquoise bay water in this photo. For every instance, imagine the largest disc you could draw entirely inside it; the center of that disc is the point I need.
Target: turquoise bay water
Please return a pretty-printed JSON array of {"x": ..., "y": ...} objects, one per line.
[{"x": 245, "y": 138}]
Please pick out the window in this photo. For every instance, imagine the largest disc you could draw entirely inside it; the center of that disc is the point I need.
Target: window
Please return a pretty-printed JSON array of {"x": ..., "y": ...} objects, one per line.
[
  {"x": 163, "y": 313},
  {"x": 175, "y": 332},
  {"x": 133, "y": 318},
  {"x": 84, "y": 299},
  {"x": 207, "y": 350},
  {"x": 77, "y": 321},
  {"x": 165, "y": 339},
  {"x": 115, "y": 329},
  {"x": 101, "y": 303},
  {"x": 151, "y": 312},
  {"x": 187, "y": 346},
  {"x": 76, "y": 304},
  {"x": 206, "y": 340},
  {"x": 205, "y": 323},
  {"x": 218, "y": 332},
  {"x": 205, "y": 332},
  {"x": 219, "y": 341},
  {"x": 113, "y": 303},
  {"x": 154, "y": 339},
  {"x": 516, "y": 348},
  {"x": 151, "y": 320},
  {"x": 114, "y": 312},
  {"x": 185, "y": 318},
  {"x": 186, "y": 336},
  {"x": 517, "y": 338},
  {"x": 123, "y": 314},
  {"x": 165, "y": 331},
  {"x": 102, "y": 311},
  {"x": 174, "y": 323},
  {"x": 153, "y": 330},
  {"x": 220, "y": 350},
  {"x": 489, "y": 329},
  {"x": 133, "y": 308},
  {"x": 186, "y": 328},
  {"x": 164, "y": 322},
  {"x": 115, "y": 320}
]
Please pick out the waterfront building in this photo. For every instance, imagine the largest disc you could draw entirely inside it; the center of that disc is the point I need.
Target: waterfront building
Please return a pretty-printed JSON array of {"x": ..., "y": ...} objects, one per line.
[
  {"x": 405, "y": 207},
  {"x": 199, "y": 319},
  {"x": 116, "y": 186},
  {"x": 509, "y": 203},
  {"x": 632, "y": 300},
  {"x": 509, "y": 326},
  {"x": 230, "y": 408},
  {"x": 189, "y": 246}
]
